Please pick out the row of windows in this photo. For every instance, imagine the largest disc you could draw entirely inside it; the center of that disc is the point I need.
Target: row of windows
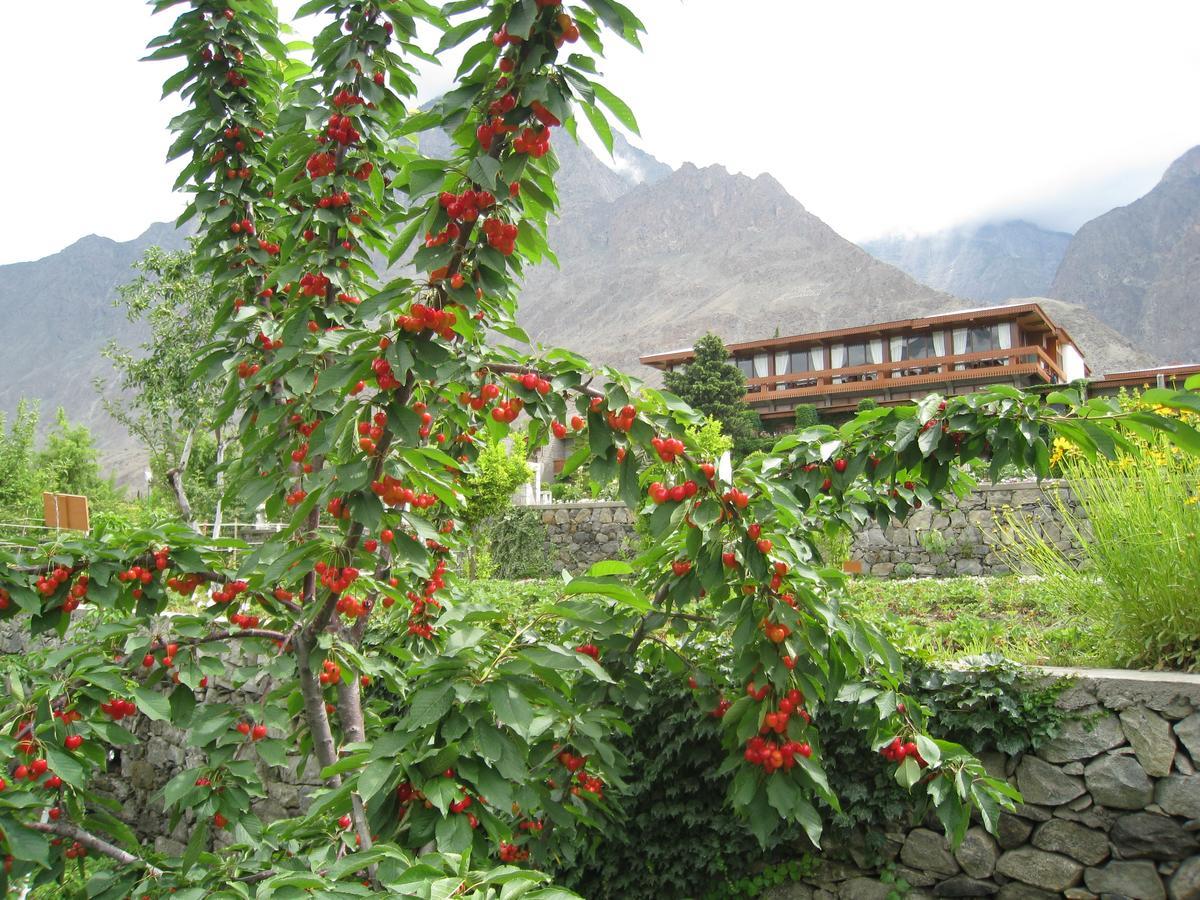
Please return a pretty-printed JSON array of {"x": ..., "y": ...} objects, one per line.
[{"x": 900, "y": 348}]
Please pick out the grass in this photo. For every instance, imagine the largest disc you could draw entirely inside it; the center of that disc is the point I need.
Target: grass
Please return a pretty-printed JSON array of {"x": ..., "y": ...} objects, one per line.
[
  {"x": 935, "y": 619},
  {"x": 944, "y": 619}
]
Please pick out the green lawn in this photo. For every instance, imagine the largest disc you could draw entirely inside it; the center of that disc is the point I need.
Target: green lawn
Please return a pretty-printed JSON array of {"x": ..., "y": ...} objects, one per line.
[
  {"x": 936, "y": 619},
  {"x": 943, "y": 619}
]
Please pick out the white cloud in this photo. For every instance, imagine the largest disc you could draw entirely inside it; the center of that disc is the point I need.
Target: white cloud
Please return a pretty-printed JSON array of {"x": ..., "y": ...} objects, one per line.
[{"x": 878, "y": 116}]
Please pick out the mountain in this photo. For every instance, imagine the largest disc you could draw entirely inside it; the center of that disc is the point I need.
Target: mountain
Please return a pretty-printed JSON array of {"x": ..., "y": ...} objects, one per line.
[
  {"x": 989, "y": 263},
  {"x": 1137, "y": 267},
  {"x": 703, "y": 249},
  {"x": 56, "y": 314},
  {"x": 651, "y": 259}
]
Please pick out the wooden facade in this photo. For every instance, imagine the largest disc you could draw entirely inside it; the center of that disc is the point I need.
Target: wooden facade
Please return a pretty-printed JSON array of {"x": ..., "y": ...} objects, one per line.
[
  {"x": 896, "y": 362},
  {"x": 1140, "y": 379}
]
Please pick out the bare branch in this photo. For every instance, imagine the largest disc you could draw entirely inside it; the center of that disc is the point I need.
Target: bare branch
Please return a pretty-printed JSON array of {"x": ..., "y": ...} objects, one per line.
[{"x": 99, "y": 845}]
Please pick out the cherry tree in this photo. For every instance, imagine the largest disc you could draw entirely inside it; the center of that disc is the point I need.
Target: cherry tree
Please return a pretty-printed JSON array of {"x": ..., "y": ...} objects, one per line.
[{"x": 455, "y": 754}]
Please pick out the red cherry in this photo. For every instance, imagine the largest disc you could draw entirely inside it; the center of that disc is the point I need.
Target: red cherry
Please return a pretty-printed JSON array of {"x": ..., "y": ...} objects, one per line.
[
  {"x": 839, "y": 465},
  {"x": 73, "y": 742},
  {"x": 258, "y": 732}
]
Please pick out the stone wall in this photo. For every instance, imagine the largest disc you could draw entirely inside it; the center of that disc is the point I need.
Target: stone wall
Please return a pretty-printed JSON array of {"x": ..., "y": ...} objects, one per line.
[
  {"x": 958, "y": 540},
  {"x": 580, "y": 534},
  {"x": 1111, "y": 810},
  {"x": 961, "y": 539}
]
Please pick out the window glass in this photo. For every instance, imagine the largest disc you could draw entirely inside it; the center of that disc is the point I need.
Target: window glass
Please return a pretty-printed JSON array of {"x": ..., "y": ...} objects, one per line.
[
  {"x": 856, "y": 355},
  {"x": 917, "y": 346},
  {"x": 981, "y": 339},
  {"x": 798, "y": 361},
  {"x": 746, "y": 365}
]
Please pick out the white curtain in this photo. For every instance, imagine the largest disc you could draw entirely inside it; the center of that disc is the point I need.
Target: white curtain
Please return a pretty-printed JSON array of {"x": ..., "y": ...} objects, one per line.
[
  {"x": 897, "y": 349},
  {"x": 960, "y": 345},
  {"x": 817, "y": 358},
  {"x": 877, "y": 351},
  {"x": 837, "y": 356},
  {"x": 1006, "y": 330},
  {"x": 760, "y": 365},
  {"x": 781, "y": 362},
  {"x": 939, "y": 343}
]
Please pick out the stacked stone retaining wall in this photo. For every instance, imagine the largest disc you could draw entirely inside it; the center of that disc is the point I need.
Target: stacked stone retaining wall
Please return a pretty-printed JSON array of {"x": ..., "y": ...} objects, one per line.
[
  {"x": 961, "y": 539},
  {"x": 581, "y": 534},
  {"x": 1111, "y": 810}
]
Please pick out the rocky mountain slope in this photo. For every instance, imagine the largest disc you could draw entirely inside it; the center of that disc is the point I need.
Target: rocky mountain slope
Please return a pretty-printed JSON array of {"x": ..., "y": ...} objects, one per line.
[
  {"x": 988, "y": 263},
  {"x": 651, "y": 259},
  {"x": 1137, "y": 267},
  {"x": 56, "y": 314},
  {"x": 703, "y": 250}
]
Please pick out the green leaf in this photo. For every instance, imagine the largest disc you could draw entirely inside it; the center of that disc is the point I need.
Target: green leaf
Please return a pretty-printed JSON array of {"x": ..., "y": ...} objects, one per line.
[
  {"x": 152, "y": 704},
  {"x": 618, "y": 106},
  {"x": 25, "y": 844},
  {"x": 453, "y": 833},
  {"x": 196, "y": 844},
  {"x": 374, "y": 777},
  {"x": 429, "y": 705},
  {"x": 615, "y": 590},
  {"x": 600, "y": 125}
]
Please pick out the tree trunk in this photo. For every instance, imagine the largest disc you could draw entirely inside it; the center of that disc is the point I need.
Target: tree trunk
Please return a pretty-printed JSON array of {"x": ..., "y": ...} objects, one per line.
[
  {"x": 216, "y": 529},
  {"x": 175, "y": 482}
]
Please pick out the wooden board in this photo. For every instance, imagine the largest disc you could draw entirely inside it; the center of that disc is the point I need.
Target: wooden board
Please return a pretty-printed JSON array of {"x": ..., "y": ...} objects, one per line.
[{"x": 66, "y": 511}]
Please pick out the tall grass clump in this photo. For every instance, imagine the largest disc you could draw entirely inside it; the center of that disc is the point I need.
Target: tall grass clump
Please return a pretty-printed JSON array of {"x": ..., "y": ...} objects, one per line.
[{"x": 1138, "y": 577}]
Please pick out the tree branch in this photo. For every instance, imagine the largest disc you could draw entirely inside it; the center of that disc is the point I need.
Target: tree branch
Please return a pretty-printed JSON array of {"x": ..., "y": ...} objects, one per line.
[{"x": 89, "y": 840}]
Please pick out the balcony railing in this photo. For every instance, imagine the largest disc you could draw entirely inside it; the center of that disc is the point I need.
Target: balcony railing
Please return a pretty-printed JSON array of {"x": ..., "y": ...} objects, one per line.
[{"x": 983, "y": 364}]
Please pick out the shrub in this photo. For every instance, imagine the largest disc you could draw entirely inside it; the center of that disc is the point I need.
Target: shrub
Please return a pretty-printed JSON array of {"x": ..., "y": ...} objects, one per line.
[
  {"x": 867, "y": 403},
  {"x": 676, "y": 790},
  {"x": 516, "y": 544},
  {"x": 806, "y": 416},
  {"x": 1139, "y": 573},
  {"x": 676, "y": 799}
]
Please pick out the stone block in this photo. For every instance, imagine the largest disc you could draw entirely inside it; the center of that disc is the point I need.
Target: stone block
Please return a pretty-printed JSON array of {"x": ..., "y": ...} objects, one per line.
[
  {"x": 965, "y": 886},
  {"x": 1041, "y": 783},
  {"x": 977, "y": 855},
  {"x": 1118, "y": 782},
  {"x": 1185, "y": 883},
  {"x": 1152, "y": 739},
  {"x": 1072, "y": 839},
  {"x": 1083, "y": 739},
  {"x": 1150, "y": 836},
  {"x": 1136, "y": 880},
  {"x": 1048, "y": 871},
  {"x": 1179, "y": 795},
  {"x": 928, "y": 851}
]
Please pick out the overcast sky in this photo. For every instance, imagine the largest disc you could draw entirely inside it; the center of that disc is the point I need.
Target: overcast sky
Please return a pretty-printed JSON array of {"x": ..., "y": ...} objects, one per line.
[{"x": 880, "y": 116}]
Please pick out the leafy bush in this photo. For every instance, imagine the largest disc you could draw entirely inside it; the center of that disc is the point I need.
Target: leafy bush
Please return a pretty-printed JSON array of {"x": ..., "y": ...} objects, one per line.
[
  {"x": 867, "y": 403},
  {"x": 516, "y": 543},
  {"x": 676, "y": 791},
  {"x": 676, "y": 800},
  {"x": 806, "y": 415},
  {"x": 988, "y": 703}
]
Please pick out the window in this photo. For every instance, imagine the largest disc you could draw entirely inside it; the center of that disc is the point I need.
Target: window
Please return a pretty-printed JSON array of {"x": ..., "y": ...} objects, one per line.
[
  {"x": 980, "y": 340},
  {"x": 753, "y": 367},
  {"x": 929, "y": 345},
  {"x": 852, "y": 355}
]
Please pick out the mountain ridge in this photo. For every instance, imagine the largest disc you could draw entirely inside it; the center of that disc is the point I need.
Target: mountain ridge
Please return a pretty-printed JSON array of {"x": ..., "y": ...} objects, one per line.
[
  {"x": 651, "y": 258},
  {"x": 987, "y": 262},
  {"x": 1137, "y": 267}
]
